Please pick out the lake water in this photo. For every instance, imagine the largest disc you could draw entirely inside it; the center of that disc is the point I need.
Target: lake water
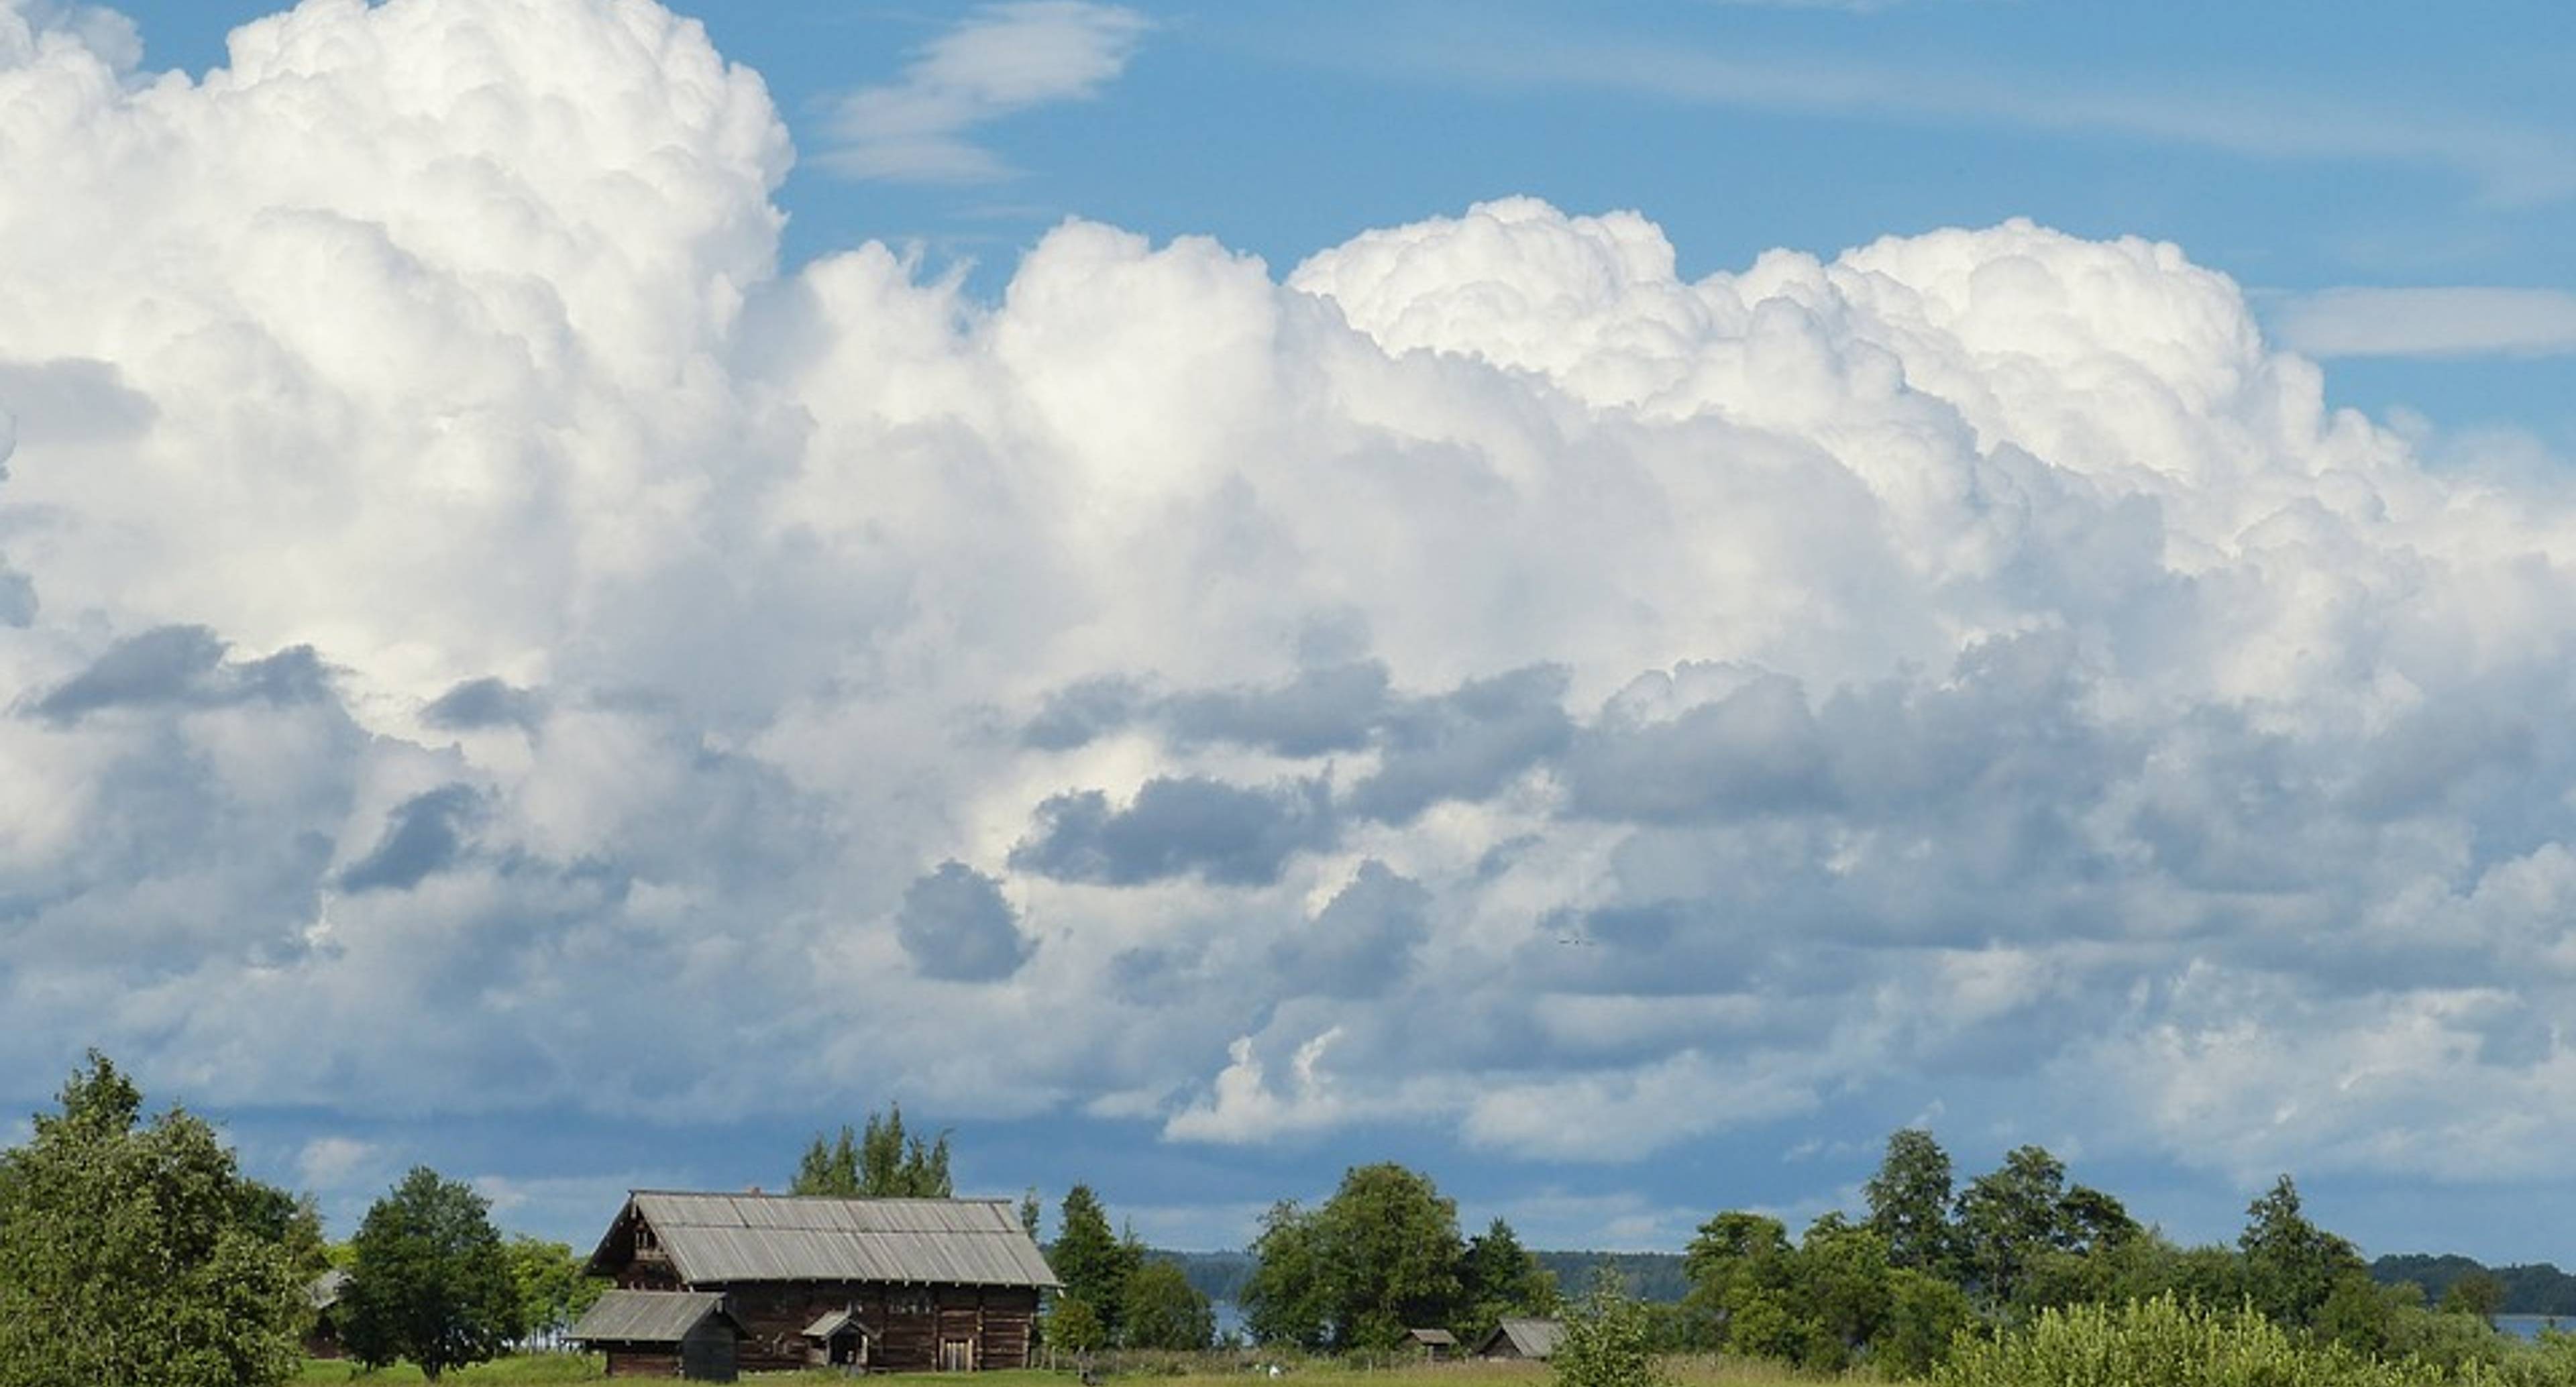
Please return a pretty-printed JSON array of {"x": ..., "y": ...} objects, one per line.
[{"x": 2529, "y": 1326}]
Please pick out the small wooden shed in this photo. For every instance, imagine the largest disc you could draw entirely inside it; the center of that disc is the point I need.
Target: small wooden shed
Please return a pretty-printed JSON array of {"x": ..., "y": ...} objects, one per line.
[
  {"x": 1435, "y": 1344},
  {"x": 838, "y": 1339},
  {"x": 1531, "y": 1339},
  {"x": 683, "y": 1334}
]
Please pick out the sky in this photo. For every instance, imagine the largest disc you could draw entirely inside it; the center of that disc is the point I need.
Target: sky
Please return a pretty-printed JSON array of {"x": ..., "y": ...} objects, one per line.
[{"x": 1613, "y": 602}]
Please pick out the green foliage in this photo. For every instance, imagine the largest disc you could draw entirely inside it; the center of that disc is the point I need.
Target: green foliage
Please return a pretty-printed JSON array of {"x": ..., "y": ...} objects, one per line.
[
  {"x": 431, "y": 1281},
  {"x": 1909, "y": 1203},
  {"x": 2476, "y": 1294},
  {"x": 1499, "y": 1279},
  {"x": 2291, "y": 1265},
  {"x": 2163, "y": 1343},
  {"x": 551, "y": 1289},
  {"x": 1094, "y": 1263},
  {"x": 884, "y": 1161},
  {"x": 1608, "y": 1342},
  {"x": 1382, "y": 1255},
  {"x": 1286, "y": 1299},
  {"x": 1075, "y": 1327},
  {"x": 134, "y": 1254},
  {"x": 1162, "y": 1310}
]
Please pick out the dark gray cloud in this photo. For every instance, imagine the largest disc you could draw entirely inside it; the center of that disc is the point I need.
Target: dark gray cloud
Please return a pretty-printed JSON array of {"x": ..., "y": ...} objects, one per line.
[
  {"x": 1466, "y": 744},
  {"x": 1361, "y": 944},
  {"x": 1335, "y": 708},
  {"x": 1180, "y": 826},
  {"x": 183, "y": 666},
  {"x": 481, "y": 703},
  {"x": 955, "y": 924},
  {"x": 1757, "y": 750},
  {"x": 1078, "y": 713},
  {"x": 424, "y": 834}
]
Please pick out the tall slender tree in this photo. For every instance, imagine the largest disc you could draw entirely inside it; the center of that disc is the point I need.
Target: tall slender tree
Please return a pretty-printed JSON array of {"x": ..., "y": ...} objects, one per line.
[{"x": 1909, "y": 1202}]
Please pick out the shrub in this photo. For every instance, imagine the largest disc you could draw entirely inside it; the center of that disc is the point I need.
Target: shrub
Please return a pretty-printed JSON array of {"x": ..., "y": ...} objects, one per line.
[
  {"x": 2163, "y": 1343},
  {"x": 1609, "y": 1341}
]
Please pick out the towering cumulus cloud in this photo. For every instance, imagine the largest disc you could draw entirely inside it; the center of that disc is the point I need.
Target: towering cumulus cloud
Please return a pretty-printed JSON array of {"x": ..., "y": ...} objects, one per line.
[{"x": 462, "y": 600}]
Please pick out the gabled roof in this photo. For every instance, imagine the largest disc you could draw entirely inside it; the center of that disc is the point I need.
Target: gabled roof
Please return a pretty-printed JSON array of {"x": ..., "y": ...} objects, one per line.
[
  {"x": 645, "y": 1317},
  {"x": 833, "y": 1322},
  {"x": 1441, "y": 1337},
  {"x": 325, "y": 1290},
  {"x": 1528, "y": 1338},
  {"x": 723, "y": 1239}
]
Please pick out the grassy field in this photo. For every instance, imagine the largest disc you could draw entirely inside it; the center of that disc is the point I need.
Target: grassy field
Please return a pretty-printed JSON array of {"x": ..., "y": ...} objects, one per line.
[{"x": 542, "y": 1370}]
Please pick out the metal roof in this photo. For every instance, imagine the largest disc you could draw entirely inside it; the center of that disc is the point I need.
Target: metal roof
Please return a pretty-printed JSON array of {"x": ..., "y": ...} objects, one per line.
[
  {"x": 645, "y": 1317},
  {"x": 833, "y": 1322},
  {"x": 326, "y": 1289},
  {"x": 718, "y": 1239},
  {"x": 1530, "y": 1338}
]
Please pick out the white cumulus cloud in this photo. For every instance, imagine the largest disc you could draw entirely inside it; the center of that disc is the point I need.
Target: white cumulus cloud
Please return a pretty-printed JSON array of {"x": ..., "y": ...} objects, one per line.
[{"x": 472, "y": 618}]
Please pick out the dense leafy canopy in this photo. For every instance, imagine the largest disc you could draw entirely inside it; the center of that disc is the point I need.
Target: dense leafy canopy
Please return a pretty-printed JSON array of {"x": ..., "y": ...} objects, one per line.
[
  {"x": 430, "y": 1280},
  {"x": 1380, "y": 1257},
  {"x": 1161, "y": 1310},
  {"x": 135, "y": 1254}
]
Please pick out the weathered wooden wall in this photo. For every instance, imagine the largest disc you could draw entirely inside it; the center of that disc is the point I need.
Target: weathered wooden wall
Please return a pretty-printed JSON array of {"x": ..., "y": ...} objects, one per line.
[{"x": 995, "y": 1323}]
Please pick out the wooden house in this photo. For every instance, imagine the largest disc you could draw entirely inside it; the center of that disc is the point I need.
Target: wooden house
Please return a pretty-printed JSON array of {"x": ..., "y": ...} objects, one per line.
[
  {"x": 917, "y": 1285},
  {"x": 1532, "y": 1339}
]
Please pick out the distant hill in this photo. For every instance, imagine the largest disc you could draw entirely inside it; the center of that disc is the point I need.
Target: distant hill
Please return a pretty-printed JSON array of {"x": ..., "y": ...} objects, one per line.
[
  {"x": 1647, "y": 1275},
  {"x": 2528, "y": 1290}
]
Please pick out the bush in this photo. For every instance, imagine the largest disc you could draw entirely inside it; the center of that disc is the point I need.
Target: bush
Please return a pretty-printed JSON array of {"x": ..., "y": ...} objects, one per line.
[
  {"x": 1609, "y": 1341},
  {"x": 2164, "y": 1343}
]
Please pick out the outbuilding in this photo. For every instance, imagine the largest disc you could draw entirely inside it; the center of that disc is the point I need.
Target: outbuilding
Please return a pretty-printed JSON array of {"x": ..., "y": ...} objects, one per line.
[
  {"x": 1531, "y": 1339},
  {"x": 682, "y": 1334},
  {"x": 1435, "y": 1345}
]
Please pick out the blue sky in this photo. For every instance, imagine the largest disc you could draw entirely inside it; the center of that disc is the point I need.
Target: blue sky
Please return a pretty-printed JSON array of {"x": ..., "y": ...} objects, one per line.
[{"x": 1201, "y": 594}]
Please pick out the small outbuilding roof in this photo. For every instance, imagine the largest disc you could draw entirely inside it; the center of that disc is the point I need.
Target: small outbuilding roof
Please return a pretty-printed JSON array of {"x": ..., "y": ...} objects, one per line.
[
  {"x": 646, "y": 1317},
  {"x": 1528, "y": 1338},
  {"x": 833, "y": 1322},
  {"x": 325, "y": 1290},
  {"x": 720, "y": 1239},
  {"x": 1438, "y": 1337}
]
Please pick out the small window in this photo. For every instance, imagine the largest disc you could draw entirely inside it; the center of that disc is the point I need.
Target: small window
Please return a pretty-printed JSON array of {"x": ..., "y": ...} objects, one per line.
[{"x": 911, "y": 1302}]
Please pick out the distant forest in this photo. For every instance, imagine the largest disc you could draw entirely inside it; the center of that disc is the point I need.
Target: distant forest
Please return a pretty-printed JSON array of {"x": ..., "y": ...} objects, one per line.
[
  {"x": 2541, "y": 1289},
  {"x": 1647, "y": 1275},
  {"x": 2533, "y": 1290}
]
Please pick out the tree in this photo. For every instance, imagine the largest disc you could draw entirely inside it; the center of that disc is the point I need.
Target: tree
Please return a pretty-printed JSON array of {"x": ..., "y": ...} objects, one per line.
[
  {"x": 1497, "y": 1279},
  {"x": 1607, "y": 1341},
  {"x": 1909, "y": 1202},
  {"x": 1380, "y": 1256},
  {"x": 1390, "y": 1243},
  {"x": 882, "y": 1161},
  {"x": 2291, "y": 1265},
  {"x": 1163, "y": 1310},
  {"x": 2479, "y": 1293},
  {"x": 1093, "y": 1263},
  {"x": 1073, "y": 1327},
  {"x": 551, "y": 1289},
  {"x": 1285, "y": 1299},
  {"x": 130, "y": 1255},
  {"x": 431, "y": 1281},
  {"x": 1743, "y": 1277},
  {"x": 2008, "y": 1218}
]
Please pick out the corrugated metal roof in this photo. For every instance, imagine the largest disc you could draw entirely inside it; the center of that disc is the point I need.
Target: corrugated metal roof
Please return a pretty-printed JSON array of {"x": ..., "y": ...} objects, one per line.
[
  {"x": 645, "y": 1317},
  {"x": 717, "y": 1239}
]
